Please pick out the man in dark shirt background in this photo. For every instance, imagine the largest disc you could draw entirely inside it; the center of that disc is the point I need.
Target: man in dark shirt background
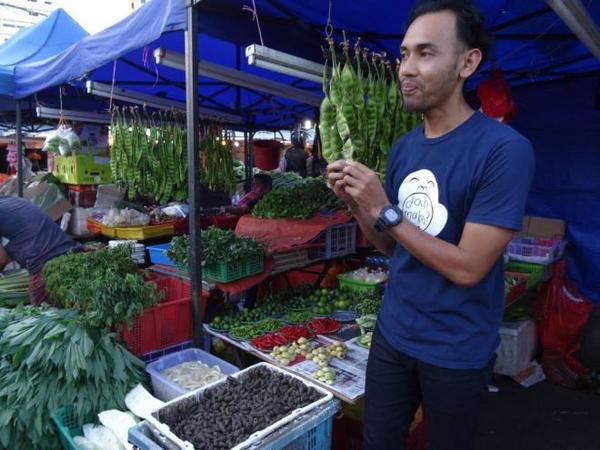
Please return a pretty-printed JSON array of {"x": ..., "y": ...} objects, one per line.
[{"x": 33, "y": 240}]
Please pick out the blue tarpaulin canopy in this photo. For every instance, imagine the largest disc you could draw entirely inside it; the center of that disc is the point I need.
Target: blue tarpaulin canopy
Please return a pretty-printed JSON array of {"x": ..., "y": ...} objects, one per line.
[
  {"x": 552, "y": 72},
  {"x": 38, "y": 42}
]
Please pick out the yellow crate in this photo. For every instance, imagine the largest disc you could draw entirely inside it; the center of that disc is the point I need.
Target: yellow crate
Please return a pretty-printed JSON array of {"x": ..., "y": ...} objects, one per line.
[
  {"x": 108, "y": 231},
  {"x": 82, "y": 169},
  {"x": 145, "y": 232}
]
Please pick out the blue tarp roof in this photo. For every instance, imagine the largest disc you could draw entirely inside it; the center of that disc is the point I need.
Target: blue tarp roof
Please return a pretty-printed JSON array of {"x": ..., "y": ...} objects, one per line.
[
  {"x": 533, "y": 44},
  {"x": 38, "y": 42}
]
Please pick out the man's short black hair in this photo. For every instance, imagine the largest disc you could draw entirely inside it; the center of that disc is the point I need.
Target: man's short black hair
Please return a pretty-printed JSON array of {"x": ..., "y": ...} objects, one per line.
[
  {"x": 265, "y": 179},
  {"x": 470, "y": 23}
]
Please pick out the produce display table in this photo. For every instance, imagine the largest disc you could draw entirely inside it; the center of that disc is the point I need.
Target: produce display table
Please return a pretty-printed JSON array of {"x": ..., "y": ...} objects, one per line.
[{"x": 350, "y": 372}]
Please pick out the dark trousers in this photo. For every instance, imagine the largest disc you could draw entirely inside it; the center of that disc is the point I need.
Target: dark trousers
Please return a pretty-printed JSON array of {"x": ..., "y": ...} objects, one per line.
[{"x": 396, "y": 385}]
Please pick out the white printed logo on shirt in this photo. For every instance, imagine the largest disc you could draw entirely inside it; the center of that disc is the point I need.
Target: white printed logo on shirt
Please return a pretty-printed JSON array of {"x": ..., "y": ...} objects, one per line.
[{"x": 418, "y": 197}]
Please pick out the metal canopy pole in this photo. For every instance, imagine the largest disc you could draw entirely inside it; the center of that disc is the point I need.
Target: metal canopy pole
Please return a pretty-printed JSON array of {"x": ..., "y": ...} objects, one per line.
[
  {"x": 19, "y": 150},
  {"x": 193, "y": 144}
]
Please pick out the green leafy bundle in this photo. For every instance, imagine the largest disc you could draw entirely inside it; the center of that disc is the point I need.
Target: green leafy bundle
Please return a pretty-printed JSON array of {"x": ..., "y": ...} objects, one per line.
[
  {"x": 105, "y": 284},
  {"x": 218, "y": 246},
  {"x": 14, "y": 288},
  {"x": 52, "y": 358},
  {"x": 298, "y": 201},
  {"x": 362, "y": 113}
]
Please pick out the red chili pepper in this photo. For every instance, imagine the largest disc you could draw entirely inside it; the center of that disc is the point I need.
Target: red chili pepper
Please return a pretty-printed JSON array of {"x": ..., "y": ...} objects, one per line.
[
  {"x": 295, "y": 332},
  {"x": 268, "y": 341},
  {"x": 324, "y": 326}
]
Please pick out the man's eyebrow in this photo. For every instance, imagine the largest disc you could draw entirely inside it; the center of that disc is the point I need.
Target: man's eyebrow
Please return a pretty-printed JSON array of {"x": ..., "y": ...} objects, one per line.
[{"x": 421, "y": 46}]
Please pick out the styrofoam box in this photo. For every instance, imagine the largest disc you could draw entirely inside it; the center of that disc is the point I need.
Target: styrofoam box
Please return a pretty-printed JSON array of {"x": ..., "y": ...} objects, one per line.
[
  {"x": 166, "y": 389},
  {"x": 519, "y": 343},
  {"x": 259, "y": 435}
]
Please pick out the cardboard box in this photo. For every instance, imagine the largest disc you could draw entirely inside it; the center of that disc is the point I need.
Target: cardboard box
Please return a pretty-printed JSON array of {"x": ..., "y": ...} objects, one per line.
[
  {"x": 48, "y": 198},
  {"x": 543, "y": 227}
]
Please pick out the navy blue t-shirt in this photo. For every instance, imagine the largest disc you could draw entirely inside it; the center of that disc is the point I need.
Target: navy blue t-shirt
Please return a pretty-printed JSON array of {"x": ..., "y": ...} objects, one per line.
[
  {"x": 33, "y": 238},
  {"x": 480, "y": 172}
]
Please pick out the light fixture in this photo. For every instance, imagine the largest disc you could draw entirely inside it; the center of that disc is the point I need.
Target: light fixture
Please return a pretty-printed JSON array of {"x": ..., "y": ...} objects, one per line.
[
  {"x": 44, "y": 112},
  {"x": 577, "y": 18},
  {"x": 237, "y": 78},
  {"x": 139, "y": 98},
  {"x": 308, "y": 124},
  {"x": 267, "y": 58}
]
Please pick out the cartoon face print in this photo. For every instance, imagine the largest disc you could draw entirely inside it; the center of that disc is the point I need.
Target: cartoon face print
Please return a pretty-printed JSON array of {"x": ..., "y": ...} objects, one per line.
[{"x": 418, "y": 197}]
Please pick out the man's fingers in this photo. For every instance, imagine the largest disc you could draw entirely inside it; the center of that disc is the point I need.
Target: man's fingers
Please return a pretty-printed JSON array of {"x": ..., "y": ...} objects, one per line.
[
  {"x": 352, "y": 181},
  {"x": 336, "y": 166},
  {"x": 356, "y": 172}
]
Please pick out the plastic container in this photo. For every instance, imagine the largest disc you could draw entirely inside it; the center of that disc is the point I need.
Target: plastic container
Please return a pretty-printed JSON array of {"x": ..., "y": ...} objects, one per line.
[
  {"x": 150, "y": 357},
  {"x": 79, "y": 222},
  {"x": 146, "y": 232},
  {"x": 259, "y": 436},
  {"x": 158, "y": 254},
  {"x": 266, "y": 153},
  {"x": 517, "y": 348},
  {"x": 67, "y": 427},
  {"x": 536, "y": 272},
  {"x": 165, "y": 389},
  {"x": 82, "y": 169},
  {"x": 312, "y": 431},
  {"x": 93, "y": 225},
  {"x": 225, "y": 273},
  {"x": 517, "y": 291},
  {"x": 166, "y": 324},
  {"x": 535, "y": 250},
  {"x": 346, "y": 281},
  {"x": 284, "y": 261},
  {"x": 339, "y": 240}
]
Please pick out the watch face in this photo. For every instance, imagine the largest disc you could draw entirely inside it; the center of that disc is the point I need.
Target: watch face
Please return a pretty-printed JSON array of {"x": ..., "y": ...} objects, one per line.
[{"x": 391, "y": 215}]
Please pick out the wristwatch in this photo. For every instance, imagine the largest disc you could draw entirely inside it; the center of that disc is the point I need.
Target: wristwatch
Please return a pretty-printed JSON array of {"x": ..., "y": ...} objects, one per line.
[{"x": 389, "y": 217}]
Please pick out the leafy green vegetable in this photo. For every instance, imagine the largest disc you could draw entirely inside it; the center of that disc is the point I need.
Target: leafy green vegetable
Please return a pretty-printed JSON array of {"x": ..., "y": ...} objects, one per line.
[
  {"x": 14, "y": 288},
  {"x": 297, "y": 201},
  {"x": 105, "y": 284},
  {"x": 53, "y": 358},
  {"x": 218, "y": 246}
]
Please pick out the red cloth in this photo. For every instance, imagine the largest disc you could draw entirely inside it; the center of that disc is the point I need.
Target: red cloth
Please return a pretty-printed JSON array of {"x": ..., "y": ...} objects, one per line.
[{"x": 281, "y": 234}]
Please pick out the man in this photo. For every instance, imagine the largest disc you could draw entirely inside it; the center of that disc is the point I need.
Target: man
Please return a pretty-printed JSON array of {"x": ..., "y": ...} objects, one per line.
[
  {"x": 33, "y": 240},
  {"x": 294, "y": 158},
  {"x": 261, "y": 185},
  {"x": 454, "y": 195}
]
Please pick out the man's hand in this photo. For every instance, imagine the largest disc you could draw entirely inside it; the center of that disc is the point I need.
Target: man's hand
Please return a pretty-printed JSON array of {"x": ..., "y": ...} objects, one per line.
[
  {"x": 335, "y": 175},
  {"x": 364, "y": 187},
  {"x": 4, "y": 258}
]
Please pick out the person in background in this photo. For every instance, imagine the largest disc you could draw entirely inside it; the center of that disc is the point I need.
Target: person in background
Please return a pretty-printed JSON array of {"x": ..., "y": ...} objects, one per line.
[
  {"x": 261, "y": 185},
  {"x": 33, "y": 240},
  {"x": 455, "y": 193},
  {"x": 315, "y": 164},
  {"x": 294, "y": 158}
]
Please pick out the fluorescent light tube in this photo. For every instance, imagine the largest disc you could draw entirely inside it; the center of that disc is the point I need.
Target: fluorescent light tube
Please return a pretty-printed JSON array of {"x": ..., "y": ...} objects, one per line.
[
  {"x": 267, "y": 58},
  {"x": 237, "y": 78},
  {"x": 139, "y": 98}
]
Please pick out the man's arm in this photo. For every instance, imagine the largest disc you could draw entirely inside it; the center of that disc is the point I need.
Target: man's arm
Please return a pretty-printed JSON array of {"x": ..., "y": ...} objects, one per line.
[
  {"x": 464, "y": 264},
  {"x": 4, "y": 258},
  {"x": 237, "y": 210}
]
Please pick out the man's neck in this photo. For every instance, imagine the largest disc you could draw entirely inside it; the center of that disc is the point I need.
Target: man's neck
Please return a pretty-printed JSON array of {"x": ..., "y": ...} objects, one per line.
[{"x": 441, "y": 120}]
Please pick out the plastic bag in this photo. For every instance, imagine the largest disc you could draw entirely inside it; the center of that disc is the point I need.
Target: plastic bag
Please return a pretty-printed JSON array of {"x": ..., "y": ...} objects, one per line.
[
  {"x": 561, "y": 312},
  {"x": 63, "y": 140},
  {"x": 561, "y": 315}
]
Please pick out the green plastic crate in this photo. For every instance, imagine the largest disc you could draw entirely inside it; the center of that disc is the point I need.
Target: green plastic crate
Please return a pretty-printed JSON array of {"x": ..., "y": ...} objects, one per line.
[
  {"x": 224, "y": 273},
  {"x": 535, "y": 271},
  {"x": 357, "y": 285},
  {"x": 67, "y": 427}
]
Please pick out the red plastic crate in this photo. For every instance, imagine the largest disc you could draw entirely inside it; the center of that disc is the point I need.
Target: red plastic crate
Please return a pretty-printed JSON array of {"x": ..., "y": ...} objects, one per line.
[{"x": 166, "y": 324}]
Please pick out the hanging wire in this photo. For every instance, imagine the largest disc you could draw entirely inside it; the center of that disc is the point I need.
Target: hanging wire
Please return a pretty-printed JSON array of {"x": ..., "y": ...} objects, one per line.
[
  {"x": 329, "y": 26},
  {"x": 61, "y": 119},
  {"x": 112, "y": 86},
  {"x": 254, "y": 12}
]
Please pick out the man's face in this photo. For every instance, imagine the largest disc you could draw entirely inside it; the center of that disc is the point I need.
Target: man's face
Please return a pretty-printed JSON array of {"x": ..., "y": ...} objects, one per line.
[
  {"x": 431, "y": 59},
  {"x": 258, "y": 188}
]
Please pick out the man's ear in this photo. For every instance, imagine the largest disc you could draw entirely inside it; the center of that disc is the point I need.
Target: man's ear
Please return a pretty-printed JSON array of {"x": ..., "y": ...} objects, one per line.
[{"x": 471, "y": 61}]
